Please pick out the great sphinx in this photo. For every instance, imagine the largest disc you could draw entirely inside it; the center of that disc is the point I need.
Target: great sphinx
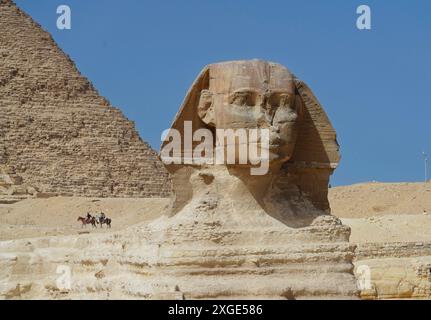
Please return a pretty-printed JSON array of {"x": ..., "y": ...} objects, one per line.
[{"x": 234, "y": 234}]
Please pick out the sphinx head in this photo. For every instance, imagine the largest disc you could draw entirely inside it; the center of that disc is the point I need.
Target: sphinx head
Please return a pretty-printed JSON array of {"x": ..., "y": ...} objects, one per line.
[
  {"x": 282, "y": 120},
  {"x": 252, "y": 95}
]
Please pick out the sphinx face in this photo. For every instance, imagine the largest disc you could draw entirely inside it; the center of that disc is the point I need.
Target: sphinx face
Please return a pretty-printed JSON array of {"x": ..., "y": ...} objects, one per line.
[
  {"x": 273, "y": 110},
  {"x": 253, "y": 95}
]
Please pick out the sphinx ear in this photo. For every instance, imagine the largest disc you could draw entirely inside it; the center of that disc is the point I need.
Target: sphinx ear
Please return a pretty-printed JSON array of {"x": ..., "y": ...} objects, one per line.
[
  {"x": 317, "y": 141},
  {"x": 299, "y": 105},
  {"x": 206, "y": 108}
]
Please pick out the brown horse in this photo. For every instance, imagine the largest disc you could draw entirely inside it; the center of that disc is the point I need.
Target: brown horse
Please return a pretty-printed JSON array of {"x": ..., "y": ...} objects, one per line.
[{"x": 86, "y": 221}]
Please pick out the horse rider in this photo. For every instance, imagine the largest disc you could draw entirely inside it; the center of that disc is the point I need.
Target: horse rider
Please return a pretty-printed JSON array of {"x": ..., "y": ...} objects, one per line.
[{"x": 101, "y": 217}]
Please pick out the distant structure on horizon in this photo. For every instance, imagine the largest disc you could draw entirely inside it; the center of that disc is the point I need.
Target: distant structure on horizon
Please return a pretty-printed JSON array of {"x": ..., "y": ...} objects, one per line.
[{"x": 426, "y": 165}]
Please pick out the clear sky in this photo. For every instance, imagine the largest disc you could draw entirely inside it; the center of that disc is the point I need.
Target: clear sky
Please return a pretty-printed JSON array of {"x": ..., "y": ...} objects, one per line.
[{"x": 374, "y": 85}]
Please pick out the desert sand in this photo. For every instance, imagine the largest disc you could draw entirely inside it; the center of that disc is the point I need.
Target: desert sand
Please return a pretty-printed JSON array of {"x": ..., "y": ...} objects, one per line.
[
  {"x": 394, "y": 243},
  {"x": 376, "y": 212},
  {"x": 57, "y": 216},
  {"x": 384, "y": 212},
  {"x": 378, "y": 199}
]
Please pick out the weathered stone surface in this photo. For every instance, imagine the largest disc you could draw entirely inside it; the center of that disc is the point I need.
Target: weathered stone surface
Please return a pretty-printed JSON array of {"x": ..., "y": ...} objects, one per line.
[
  {"x": 390, "y": 224},
  {"x": 12, "y": 188},
  {"x": 56, "y": 131},
  {"x": 396, "y": 270}
]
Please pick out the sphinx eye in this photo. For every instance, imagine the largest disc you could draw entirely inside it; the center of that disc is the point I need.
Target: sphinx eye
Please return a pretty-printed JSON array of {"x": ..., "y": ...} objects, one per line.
[
  {"x": 280, "y": 100},
  {"x": 240, "y": 99},
  {"x": 285, "y": 100},
  {"x": 243, "y": 98}
]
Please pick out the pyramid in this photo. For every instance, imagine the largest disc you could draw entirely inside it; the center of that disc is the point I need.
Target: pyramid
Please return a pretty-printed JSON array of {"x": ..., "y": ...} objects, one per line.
[{"x": 56, "y": 131}]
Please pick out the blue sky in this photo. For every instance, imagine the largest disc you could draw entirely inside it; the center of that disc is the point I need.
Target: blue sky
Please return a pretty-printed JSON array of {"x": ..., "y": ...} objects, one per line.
[{"x": 374, "y": 85}]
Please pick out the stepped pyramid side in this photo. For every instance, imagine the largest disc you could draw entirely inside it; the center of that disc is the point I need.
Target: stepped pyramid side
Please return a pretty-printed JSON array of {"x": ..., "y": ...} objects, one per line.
[{"x": 56, "y": 131}]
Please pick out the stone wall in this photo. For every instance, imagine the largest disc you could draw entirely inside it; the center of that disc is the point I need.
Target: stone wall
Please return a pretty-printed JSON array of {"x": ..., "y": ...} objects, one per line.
[
  {"x": 392, "y": 250},
  {"x": 396, "y": 270},
  {"x": 56, "y": 131}
]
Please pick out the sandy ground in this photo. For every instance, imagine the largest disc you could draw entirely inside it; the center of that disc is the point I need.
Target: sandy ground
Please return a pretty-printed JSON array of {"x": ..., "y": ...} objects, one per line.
[
  {"x": 376, "y": 212},
  {"x": 378, "y": 199},
  {"x": 384, "y": 212},
  {"x": 390, "y": 228},
  {"x": 58, "y": 216}
]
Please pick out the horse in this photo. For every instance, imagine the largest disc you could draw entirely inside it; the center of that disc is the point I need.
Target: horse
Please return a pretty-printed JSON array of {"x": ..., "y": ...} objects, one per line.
[
  {"x": 103, "y": 221},
  {"x": 86, "y": 221}
]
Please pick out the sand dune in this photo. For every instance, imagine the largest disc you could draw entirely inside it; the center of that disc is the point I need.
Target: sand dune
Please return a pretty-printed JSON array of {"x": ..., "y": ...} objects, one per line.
[{"x": 376, "y": 212}]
